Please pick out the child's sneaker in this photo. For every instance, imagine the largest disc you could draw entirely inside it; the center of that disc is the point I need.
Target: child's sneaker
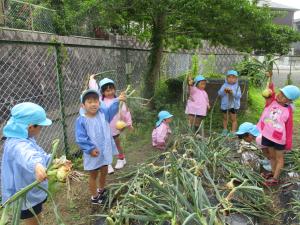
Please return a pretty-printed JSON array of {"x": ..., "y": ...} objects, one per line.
[
  {"x": 266, "y": 175},
  {"x": 98, "y": 200},
  {"x": 264, "y": 161},
  {"x": 224, "y": 132},
  {"x": 231, "y": 135},
  {"x": 267, "y": 167},
  {"x": 120, "y": 164},
  {"x": 110, "y": 169},
  {"x": 271, "y": 182}
]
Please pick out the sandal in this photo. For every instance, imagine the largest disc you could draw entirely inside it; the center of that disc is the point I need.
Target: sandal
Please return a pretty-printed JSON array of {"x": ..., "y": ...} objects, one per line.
[
  {"x": 271, "y": 182},
  {"x": 266, "y": 175}
]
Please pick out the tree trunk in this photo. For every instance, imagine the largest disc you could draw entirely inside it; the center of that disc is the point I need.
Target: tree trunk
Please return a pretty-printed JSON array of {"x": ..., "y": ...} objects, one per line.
[{"x": 155, "y": 57}]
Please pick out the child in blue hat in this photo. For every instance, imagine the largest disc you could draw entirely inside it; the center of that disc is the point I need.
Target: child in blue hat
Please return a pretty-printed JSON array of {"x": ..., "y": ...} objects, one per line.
[
  {"x": 23, "y": 160},
  {"x": 276, "y": 127},
  {"x": 162, "y": 130},
  {"x": 249, "y": 133},
  {"x": 93, "y": 135},
  {"x": 108, "y": 90},
  {"x": 230, "y": 94},
  {"x": 198, "y": 102}
]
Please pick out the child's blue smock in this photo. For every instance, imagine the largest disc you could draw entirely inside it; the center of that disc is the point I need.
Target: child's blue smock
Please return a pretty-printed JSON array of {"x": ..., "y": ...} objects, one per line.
[
  {"x": 94, "y": 133},
  {"x": 19, "y": 159},
  {"x": 230, "y": 101}
]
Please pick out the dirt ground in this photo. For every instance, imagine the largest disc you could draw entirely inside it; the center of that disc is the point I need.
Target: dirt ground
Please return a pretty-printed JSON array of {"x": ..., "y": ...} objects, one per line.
[{"x": 77, "y": 209}]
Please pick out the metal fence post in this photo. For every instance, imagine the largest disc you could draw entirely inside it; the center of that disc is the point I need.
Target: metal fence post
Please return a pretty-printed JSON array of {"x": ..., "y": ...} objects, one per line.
[
  {"x": 60, "y": 88},
  {"x": 128, "y": 68}
]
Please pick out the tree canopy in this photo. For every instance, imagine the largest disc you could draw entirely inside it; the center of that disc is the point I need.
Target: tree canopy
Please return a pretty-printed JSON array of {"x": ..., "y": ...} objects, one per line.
[{"x": 181, "y": 24}]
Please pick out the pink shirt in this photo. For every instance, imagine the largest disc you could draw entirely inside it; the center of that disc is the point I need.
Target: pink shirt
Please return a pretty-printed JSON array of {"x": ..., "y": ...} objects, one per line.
[
  {"x": 276, "y": 122},
  {"x": 124, "y": 115},
  {"x": 198, "y": 102},
  {"x": 160, "y": 135}
]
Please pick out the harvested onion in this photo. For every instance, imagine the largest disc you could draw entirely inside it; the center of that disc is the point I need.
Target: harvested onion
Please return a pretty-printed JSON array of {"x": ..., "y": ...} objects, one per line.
[
  {"x": 266, "y": 93},
  {"x": 120, "y": 125}
]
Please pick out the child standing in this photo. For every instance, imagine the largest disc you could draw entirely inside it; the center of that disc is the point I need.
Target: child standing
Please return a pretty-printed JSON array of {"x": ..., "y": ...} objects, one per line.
[
  {"x": 93, "y": 135},
  {"x": 198, "y": 102},
  {"x": 108, "y": 91},
  {"x": 23, "y": 161},
  {"x": 230, "y": 94},
  {"x": 162, "y": 130},
  {"x": 276, "y": 127}
]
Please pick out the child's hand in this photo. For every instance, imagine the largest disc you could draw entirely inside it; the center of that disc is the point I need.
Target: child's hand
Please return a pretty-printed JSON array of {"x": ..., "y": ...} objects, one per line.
[
  {"x": 122, "y": 97},
  {"x": 94, "y": 153},
  {"x": 40, "y": 172},
  {"x": 208, "y": 107},
  {"x": 228, "y": 90}
]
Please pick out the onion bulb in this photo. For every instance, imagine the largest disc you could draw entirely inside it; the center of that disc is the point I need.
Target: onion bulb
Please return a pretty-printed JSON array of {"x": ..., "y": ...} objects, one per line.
[{"x": 120, "y": 125}]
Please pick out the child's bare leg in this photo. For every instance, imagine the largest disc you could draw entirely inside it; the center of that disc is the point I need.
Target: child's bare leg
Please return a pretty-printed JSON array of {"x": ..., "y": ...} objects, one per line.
[
  {"x": 93, "y": 183},
  {"x": 197, "y": 124},
  {"x": 192, "y": 120},
  {"x": 272, "y": 158},
  {"x": 102, "y": 179},
  {"x": 33, "y": 220},
  {"x": 266, "y": 153},
  {"x": 119, "y": 147},
  {"x": 233, "y": 118},
  {"x": 279, "y": 163},
  {"x": 225, "y": 120}
]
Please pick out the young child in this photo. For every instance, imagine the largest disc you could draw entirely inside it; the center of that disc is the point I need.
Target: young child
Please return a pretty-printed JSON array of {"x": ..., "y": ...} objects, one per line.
[
  {"x": 198, "y": 102},
  {"x": 230, "y": 94},
  {"x": 23, "y": 161},
  {"x": 108, "y": 91},
  {"x": 162, "y": 130},
  {"x": 94, "y": 138},
  {"x": 249, "y": 133},
  {"x": 276, "y": 127}
]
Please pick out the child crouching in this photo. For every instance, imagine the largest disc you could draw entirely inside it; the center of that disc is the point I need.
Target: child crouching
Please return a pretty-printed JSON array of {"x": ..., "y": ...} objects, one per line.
[{"x": 162, "y": 130}]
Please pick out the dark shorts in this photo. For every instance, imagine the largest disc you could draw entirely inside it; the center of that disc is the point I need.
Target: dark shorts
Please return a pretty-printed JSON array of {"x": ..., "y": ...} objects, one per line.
[
  {"x": 96, "y": 168},
  {"x": 269, "y": 143},
  {"x": 37, "y": 209},
  {"x": 232, "y": 111},
  {"x": 197, "y": 116}
]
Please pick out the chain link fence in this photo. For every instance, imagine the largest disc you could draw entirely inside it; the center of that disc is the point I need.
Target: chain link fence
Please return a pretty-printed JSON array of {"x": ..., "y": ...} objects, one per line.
[
  {"x": 23, "y": 15},
  {"x": 34, "y": 72},
  {"x": 53, "y": 76}
]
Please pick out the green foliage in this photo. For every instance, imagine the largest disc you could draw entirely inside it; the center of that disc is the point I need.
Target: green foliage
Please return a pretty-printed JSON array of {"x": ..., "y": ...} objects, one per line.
[
  {"x": 209, "y": 65},
  {"x": 255, "y": 70},
  {"x": 195, "y": 65},
  {"x": 168, "y": 93}
]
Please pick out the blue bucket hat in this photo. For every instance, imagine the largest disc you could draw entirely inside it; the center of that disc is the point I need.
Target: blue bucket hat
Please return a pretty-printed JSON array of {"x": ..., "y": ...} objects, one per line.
[
  {"x": 105, "y": 81},
  {"x": 162, "y": 115},
  {"x": 23, "y": 115},
  {"x": 84, "y": 93},
  {"x": 291, "y": 92},
  {"x": 232, "y": 72},
  {"x": 198, "y": 79},
  {"x": 248, "y": 128}
]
